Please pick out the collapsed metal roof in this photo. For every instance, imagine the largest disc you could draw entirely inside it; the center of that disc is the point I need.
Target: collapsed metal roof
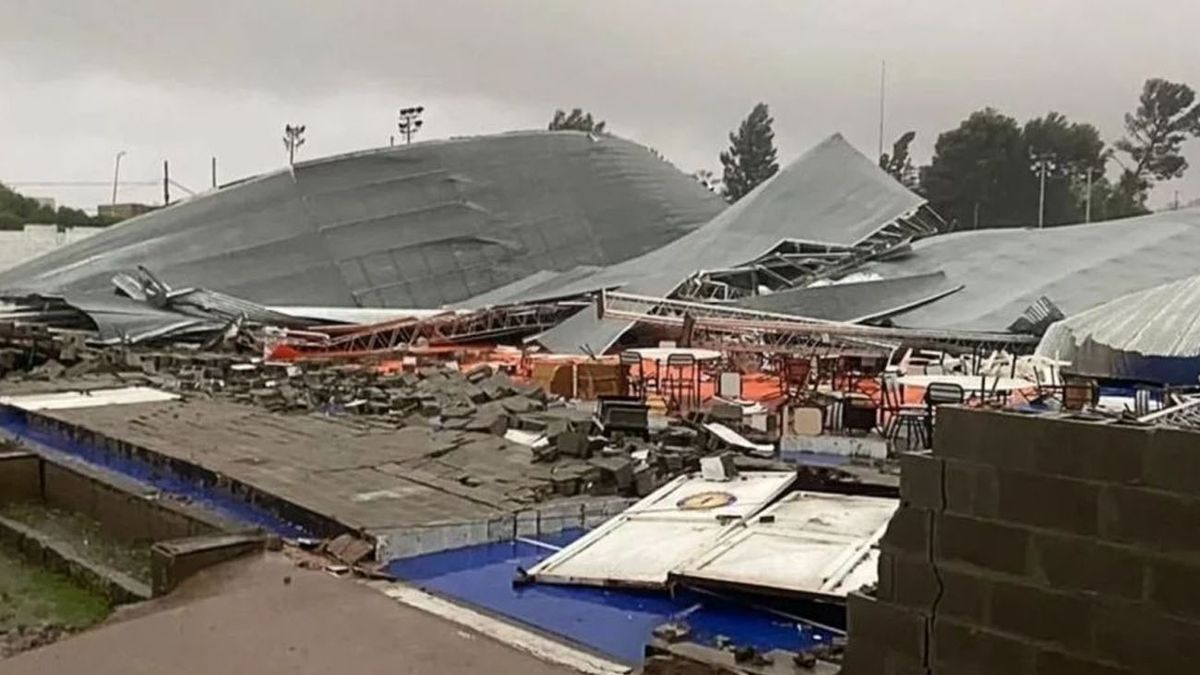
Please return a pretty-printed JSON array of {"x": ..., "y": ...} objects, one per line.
[
  {"x": 1148, "y": 335},
  {"x": 412, "y": 226},
  {"x": 857, "y": 300},
  {"x": 1076, "y": 267},
  {"x": 831, "y": 195}
]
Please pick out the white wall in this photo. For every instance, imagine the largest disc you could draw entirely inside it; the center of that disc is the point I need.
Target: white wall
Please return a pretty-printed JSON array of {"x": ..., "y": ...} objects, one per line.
[{"x": 18, "y": 246}]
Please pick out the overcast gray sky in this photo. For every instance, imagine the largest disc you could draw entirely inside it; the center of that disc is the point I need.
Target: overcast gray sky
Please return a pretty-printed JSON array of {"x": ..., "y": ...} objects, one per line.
[{"x": 182, "y": 80}]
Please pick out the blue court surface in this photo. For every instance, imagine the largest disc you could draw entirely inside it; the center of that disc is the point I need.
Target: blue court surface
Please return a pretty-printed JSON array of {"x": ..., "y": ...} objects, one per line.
[{"x": 614, "y": 623}]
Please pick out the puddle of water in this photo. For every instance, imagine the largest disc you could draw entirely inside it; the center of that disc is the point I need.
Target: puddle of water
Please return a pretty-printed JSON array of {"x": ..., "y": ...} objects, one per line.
[{"x": 84, "y": 534}]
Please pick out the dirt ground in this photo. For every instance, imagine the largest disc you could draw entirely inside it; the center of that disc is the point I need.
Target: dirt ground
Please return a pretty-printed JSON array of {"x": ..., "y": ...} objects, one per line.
[{"x": 264, "y": 615}]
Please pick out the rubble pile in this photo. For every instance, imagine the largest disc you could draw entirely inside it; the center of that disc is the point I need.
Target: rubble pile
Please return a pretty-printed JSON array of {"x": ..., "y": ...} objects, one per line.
[{"x": 530, "y": 444}]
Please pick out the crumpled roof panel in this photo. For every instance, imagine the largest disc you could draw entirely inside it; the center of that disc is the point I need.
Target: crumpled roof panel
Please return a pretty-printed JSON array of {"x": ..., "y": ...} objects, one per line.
[
  {"x": 414, "y": 226},
  {"x": 1135, "y": 335},
  {"x": 1077, "y": 267},
  {"x": 856, "y": 301},
  {"x": 832, "y": 194}
]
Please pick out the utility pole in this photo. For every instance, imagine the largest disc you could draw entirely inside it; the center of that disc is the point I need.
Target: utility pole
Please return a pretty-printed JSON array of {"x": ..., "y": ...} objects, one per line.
[
  {"x": 116, "y": 175},
  {"x": 1042, "y": 197},
  {"x": 214, "y": 172},
  {"x": 1087, "y": 204},
  {"x": 166, "y": 183},
  {"x": 410, "y": 122},
  {"x": 293, "y": 138},
  {"x": 882, "y": 95}
]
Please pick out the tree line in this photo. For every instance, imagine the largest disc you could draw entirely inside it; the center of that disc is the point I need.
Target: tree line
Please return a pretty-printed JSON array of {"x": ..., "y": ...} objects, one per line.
[
  {"x": 17, "y": 210},
  {"x": 988, "y": 171}
]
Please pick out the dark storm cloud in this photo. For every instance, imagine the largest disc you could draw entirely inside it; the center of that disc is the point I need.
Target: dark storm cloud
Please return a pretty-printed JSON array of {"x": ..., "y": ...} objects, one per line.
[{"x": 674, "y": 74}]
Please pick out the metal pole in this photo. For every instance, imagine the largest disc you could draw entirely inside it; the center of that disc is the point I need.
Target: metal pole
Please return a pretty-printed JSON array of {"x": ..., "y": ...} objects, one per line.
[
  {"x": 116, "y": 175},
  {"x": 1042, "y": 199},
  {"x": 214, "y": 172},
  {"x": 882, "y": 94},
  {"x": 166, "y": 183},
  {"x": 1087, "y": 209}
]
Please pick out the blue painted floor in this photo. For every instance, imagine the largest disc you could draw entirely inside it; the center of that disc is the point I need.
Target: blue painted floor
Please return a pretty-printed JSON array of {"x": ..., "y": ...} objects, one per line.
[
  {"x": 614, "y": 623},
  {"x": 14, "y": 423}
]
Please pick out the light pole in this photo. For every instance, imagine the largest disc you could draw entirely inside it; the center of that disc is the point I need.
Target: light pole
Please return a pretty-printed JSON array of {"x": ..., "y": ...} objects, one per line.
[
  {"x": 293, "y": 138},
  {"x": 410, "y": 122},
  {"x": 116, "y": 175},
  {"x": 1042, "y": 162}
]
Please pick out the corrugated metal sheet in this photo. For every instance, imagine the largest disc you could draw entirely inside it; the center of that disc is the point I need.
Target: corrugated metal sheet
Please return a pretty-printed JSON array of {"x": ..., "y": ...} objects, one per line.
[
  {"x": 640, "y": 547},
  {"x": 831, "y": 194},
  {"x": 858, "y": 301},
  {"x": 1137, "y": 335},
  {"x": 1077, "y": 267},
  {"x": 811, "y": 544},
  {"x": 414, "y": 226}
]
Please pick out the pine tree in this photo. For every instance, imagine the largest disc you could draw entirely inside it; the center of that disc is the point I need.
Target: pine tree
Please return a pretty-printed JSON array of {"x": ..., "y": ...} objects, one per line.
[{"x": 750, "y": 159}]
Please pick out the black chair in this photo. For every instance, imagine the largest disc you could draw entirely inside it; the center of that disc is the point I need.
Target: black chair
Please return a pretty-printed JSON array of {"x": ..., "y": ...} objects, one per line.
[
  {"x": 680, "y": 382},
  {"x": 939, "y": 394},
  {"x": 634, "y": 374},
  {"x": 895, "y": 415}
]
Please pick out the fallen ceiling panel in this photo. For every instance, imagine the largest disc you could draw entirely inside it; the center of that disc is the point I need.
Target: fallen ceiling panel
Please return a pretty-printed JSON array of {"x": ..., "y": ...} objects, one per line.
[
  {"x": 810, "y": 544},
  {"x": 680, "y": 520},
  {"x": 418, "y": 226}
]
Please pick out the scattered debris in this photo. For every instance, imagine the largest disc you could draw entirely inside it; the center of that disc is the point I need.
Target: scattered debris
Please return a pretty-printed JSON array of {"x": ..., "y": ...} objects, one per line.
[{"x": 349, "y": 549}]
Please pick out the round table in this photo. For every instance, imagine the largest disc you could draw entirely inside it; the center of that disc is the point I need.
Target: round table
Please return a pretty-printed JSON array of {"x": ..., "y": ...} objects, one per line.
[
  {"x": 969, "y": 383},
  {"x": 663, "y": 353}
]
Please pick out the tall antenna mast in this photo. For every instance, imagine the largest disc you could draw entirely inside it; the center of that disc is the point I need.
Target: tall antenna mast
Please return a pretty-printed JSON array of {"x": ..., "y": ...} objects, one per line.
[{"x": 882, "y": 98}]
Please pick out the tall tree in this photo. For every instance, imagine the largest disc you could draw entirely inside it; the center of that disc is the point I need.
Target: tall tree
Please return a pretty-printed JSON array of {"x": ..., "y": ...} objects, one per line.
[
  {"x": 1166, "y": 116},
  {"x": 17, "y": 210},
  {"x": 899, "y": 164},
  {"x": 576, "y": 120},
  {"x": 987, "y": 172},
  {"x": 1069, "y": 150},
  {"x": 750, "y": 159},
  {"x": 979, "y": 172}
]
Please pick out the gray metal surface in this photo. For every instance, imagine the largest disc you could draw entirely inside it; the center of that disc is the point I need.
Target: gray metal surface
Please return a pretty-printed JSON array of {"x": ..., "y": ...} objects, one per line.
[
  {"x": 858, "y": 301},
  {"x": 1115, "y": 338},
  {"x": 413, "y": 226},
  {"x": 1077, "y": 267},
  {"x": 831, "y": 194}
]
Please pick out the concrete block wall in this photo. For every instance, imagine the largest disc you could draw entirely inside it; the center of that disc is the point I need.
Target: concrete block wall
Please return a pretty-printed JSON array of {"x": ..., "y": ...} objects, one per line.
[
  {"x": 1030, "y": 545},
  {"x": 20, "y": 477}
]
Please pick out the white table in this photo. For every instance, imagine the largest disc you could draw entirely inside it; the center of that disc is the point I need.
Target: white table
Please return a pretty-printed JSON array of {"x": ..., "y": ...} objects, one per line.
[
  {"x": 663, "y": 353},
  {"x": 969, "y": 383}
]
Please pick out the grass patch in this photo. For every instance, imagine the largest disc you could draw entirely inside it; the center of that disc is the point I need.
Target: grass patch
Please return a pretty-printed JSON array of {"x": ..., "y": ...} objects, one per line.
[{"x": 32, "y": 596}]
